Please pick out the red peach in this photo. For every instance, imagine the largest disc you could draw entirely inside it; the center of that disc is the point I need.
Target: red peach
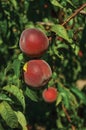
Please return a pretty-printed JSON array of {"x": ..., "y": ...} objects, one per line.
[
  {"x": 80, "y": 53},
  {"x": 33, "y": 42},
  {"x": 49, "y": 94},
  {"x": 37, "y": 73}
]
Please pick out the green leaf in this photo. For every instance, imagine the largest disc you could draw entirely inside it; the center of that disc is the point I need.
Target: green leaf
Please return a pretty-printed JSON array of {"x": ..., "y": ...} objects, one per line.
[
  {"x": 79, "y": 94},
  {"x": 66, "y": 100},
  {"x": 18, "y": 93},
  {"x": 59, "y": 99},
  {"x": 31, "y": 94},
  {"x": 70, "y": 3},
  {"x": 8, "y": 115},
  {"x": 64, "y": 95},
  {"x": 61, "y": 31},
  {"x": 62, "y": 46},
  {"x": 59, "y": 123},
  {"x": 1, "y": 127},
  {"x": 20, "y": 57},
  {"x": 5, "y": 97},
  {"x": 14, "y": 3},
  {"x": 21, "y": 120},
  {"x": 75, "y": 48},
  {"x": 16, "y": 67},
  {"x": 3, "y": 27},
  {"x": 56, "y": 3}
]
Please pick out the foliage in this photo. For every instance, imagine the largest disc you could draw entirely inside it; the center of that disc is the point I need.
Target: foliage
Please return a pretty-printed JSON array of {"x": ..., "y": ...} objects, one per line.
[{"x": 21, "y": 106}]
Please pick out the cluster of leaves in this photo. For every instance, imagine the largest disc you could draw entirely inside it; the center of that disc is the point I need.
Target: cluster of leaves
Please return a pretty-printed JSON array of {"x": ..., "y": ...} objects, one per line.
[{"x": 20, "y": 105}]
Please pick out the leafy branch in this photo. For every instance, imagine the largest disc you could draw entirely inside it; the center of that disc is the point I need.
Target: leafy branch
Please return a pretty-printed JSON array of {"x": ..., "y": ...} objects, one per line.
[
  {"x": 74, "y": 14},
  {"x": 79, "y": 10},
  {"x": 68, "y": 117}
]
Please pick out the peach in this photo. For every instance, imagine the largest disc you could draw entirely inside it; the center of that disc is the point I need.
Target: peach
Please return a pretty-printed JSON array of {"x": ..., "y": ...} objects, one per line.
[
  {"x": 37, "y": 73},
  {"x": 33, "y": 42},
  {"x": 49, "y": 94}
]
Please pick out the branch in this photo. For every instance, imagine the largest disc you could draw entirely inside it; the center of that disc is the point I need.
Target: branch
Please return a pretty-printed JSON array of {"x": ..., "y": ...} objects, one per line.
[
  {"x": 66, "y": 113},
  {"x": 68, "y": 117},
  {"x": 74, "y": 14},
  {"x": 79, "y": 10}
]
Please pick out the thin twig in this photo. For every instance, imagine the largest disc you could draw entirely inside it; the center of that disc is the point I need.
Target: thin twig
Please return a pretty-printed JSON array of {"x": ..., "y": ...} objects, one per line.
[
  {"x": 74, "y": 14},
  {"x": 66, "y": 113},
  {"x": 79, "y": 10},
  {"x": 68, "y": 117}
]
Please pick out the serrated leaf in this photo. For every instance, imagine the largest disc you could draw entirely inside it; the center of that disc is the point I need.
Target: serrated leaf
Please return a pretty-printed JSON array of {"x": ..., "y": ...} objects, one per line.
[
  {"x": 16, "y": 67},
  {"x": 5, "y": 97},
  {"x": 1, "y": 127},
  {"x": 8, "y": 115},
  {"x": 31, "y": 94},
  {"x": 18, "y": 93},
  {"x": 22, "y": 120},
  {"x": 56, "y": 3},
  {"x": 61, "y": 31}
]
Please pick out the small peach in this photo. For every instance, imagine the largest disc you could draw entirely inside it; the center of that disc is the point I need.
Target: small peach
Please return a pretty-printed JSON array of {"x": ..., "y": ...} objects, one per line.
[
  {"x": 49, "y": 94},
  {"x": 80, "y": 53}
]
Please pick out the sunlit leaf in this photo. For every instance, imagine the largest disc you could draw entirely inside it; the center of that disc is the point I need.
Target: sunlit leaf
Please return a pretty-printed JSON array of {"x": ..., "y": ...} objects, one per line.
[
  {"x": 21, "y": 120},
  {"x": 59, "y": 99},
  {"x": 62, "y": 46},
  {"x": 8, "y": 115},
  {"x": 18, "y": 93},
  {"x": 14, "y": 3},
  {"x": 5, "y": 97},
  {"x": 61, "y": 31},
  {"x": 59, "y": 123},
  {"x": 56, "y": 3}
]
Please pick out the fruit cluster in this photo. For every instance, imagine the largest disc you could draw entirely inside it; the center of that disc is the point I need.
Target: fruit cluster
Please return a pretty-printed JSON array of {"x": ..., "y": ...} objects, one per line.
[{"x": 37, "y": 72}]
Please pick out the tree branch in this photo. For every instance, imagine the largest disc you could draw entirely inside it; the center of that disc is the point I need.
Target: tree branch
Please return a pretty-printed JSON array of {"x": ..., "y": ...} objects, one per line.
[
  {"x": 74, "y": 14},
  {"x": 68, "y": 116}
]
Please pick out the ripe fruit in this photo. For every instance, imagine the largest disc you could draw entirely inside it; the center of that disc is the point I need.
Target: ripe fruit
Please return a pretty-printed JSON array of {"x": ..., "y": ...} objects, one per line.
[
  {"x": 80, "y": 53},
  {"x": 49, "y": 94},
  {"x": 37, "y": 73},
  {"x": 33, "y": 42}
]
